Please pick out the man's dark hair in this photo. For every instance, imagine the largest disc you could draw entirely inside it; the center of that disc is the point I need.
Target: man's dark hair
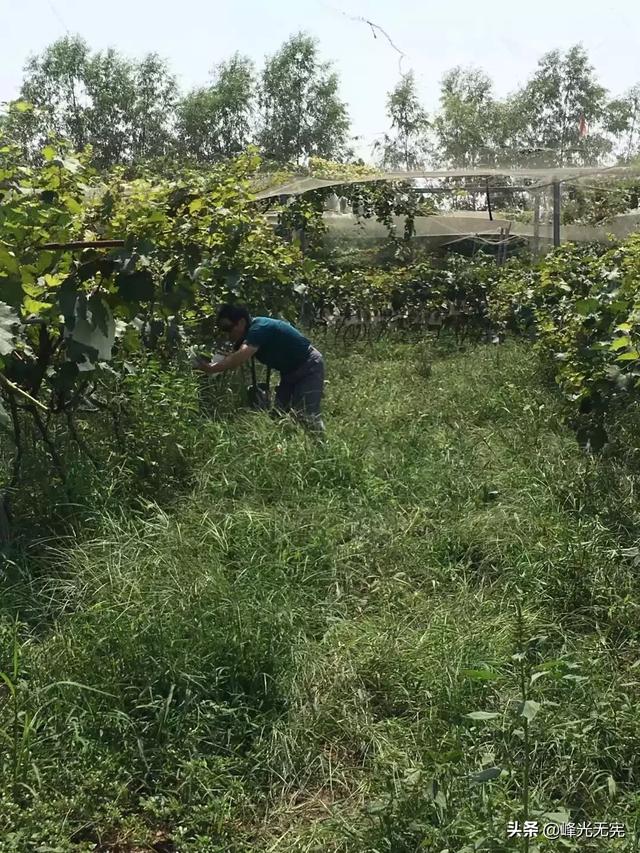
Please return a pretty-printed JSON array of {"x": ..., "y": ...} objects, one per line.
[{"x": 234, "y": 313}]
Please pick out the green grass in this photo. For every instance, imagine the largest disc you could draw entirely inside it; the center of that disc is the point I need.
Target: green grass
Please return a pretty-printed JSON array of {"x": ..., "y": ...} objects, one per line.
[{"x": 283, "y": 656}]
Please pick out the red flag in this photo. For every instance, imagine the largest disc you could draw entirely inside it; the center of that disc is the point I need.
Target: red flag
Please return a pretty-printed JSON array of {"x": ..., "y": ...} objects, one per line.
[{"x": 584, "y": 129}]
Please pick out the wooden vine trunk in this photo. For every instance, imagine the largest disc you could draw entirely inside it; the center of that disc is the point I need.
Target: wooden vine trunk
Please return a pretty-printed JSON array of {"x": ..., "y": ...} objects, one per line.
[{"x": 5, "y": 524}]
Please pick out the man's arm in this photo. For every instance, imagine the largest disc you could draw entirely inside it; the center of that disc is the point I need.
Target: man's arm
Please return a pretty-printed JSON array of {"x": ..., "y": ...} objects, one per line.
[{"x": 232, "y": 361}]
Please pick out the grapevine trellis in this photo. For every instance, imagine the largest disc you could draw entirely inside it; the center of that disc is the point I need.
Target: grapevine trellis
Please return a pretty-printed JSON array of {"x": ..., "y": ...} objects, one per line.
[
  {"x": 366, "y": 326},
  {"x": 98, "y": 275}
]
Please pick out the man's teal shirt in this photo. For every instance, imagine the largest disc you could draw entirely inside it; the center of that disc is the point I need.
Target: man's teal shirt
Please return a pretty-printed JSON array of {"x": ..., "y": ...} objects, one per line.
[{"x": 280, "y": 346}]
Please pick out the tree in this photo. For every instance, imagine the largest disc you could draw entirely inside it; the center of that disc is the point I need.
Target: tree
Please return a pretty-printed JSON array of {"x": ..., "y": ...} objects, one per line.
[
  {"x": 409, "y": 147},
  {"x": 562, "y": 92},
  {"x": 153, "y": 108},
  {"x": 302, "y": 115},
  {"x": 123, "y": 109},
  {"x": 55, "y": 85},
  {"x": 623, "y": 121},
  {"x": 110, "y": 87},
  {"x": 467, "y": 123},
  {"x": 215, "y": 122},
  {"x": 20, "y": 125}
]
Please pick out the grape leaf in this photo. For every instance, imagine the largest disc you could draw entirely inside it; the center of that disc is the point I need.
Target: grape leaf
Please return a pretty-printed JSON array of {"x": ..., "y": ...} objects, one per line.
[
  {"x": 483, "y": 715},
  {"x": 486, "y": 775},
  {"x": 8, "y": 320},
  {"x": 529, "y": 709},
  {"x": 136, "y": 287},
  {"x": 5, "y": 418}
]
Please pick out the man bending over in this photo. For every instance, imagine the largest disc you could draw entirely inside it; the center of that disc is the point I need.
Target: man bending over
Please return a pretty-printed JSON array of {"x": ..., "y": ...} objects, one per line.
[{"x": 281, "y": 347}]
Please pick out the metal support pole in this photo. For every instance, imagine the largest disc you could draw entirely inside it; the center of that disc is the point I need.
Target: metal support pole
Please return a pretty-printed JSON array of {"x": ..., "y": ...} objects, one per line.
[
  {"x": 556, "y": 213},
  {"x": 536, "y": 226},
  {"x": 302, "y": 319},
  {"x": 505, "y": 251}
]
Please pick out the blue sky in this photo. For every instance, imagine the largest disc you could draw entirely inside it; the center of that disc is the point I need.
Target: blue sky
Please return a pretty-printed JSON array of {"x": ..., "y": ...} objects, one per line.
[{"x": 504, "y": 39}]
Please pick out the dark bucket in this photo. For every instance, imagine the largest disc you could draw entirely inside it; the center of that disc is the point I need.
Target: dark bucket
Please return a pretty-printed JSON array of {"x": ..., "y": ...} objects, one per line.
[{"x": 259, "y": 396}]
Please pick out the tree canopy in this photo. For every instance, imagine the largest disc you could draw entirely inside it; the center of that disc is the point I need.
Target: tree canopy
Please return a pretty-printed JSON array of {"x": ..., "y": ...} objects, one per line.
[
  {"x": 302, "y": 115},
  {"x": 131, "y": 111}
]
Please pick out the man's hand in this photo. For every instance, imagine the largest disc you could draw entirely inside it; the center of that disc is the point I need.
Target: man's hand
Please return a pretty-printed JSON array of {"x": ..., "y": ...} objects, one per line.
[
  {"x": 230, "y": 362},
  {"x": 216, "y": 366},
  {"x": 206, "y": 366},
  {"x": 201, "y": 363}
]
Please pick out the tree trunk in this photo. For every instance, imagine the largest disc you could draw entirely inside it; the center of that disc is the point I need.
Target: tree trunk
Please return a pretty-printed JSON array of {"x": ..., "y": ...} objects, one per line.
[
  {"x": 5, "y": 513},
  {"x": 5, "y": 524}
]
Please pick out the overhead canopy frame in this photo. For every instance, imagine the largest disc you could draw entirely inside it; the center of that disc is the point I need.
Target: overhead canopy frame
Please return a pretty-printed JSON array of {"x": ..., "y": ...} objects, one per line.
[{"x": 540, "y": 177}]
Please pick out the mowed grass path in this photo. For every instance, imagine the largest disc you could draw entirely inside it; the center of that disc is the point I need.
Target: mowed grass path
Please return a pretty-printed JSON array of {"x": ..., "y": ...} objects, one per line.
[{"x": 288, "y": 660}]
